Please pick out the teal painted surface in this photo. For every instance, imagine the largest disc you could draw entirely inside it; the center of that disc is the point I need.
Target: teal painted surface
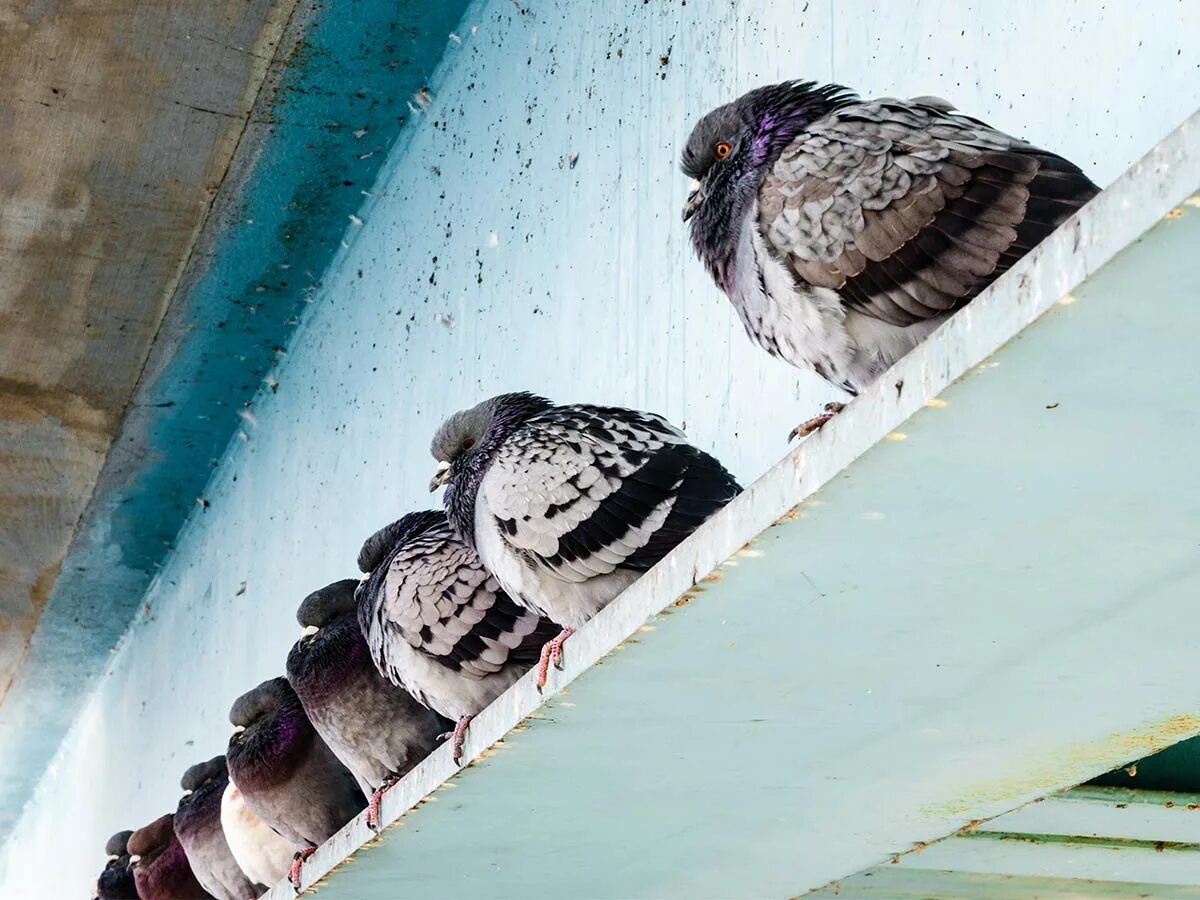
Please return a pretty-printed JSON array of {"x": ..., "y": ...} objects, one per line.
[
  {"x": 916, "y": 648},
  {"x": 487, "y": 262},
  {"x": 339, "y": 107}
]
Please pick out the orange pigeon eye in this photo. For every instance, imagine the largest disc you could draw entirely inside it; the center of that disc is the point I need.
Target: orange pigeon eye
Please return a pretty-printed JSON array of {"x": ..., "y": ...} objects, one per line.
[
  {"x": 723, "y": 150},
  {"x": 468, "y": 443}
]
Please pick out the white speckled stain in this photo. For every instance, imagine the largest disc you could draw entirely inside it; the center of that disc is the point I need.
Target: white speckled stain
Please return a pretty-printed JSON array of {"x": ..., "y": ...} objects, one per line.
[{"x": 577, "y": 282}]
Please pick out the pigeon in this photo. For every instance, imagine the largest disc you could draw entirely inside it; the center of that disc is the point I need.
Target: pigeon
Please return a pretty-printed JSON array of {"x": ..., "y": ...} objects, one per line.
[
  {"x": 845, "y": 231},
  {"x": 161, "y": 870},
  {"x": 375, "y": 728},
  {"x": 116, "y": 881},
  {"x": 285, "y": 772},
  {"x": 568, "y": 505},
  {"x": 438, "y": 624},
  {"x": 261, "y": 852},
  {"x": 198, "y": 827}
]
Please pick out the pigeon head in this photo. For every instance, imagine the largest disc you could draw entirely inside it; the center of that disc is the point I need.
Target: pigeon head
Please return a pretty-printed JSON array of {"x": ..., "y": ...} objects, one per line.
[
  {"x": 203, "y": 773},
  {"x": 118, "y": 844},
  {"x": 730, "y": 150},
  {"x": 148, "y": 842},
  {"x": 332, "y": 652},
  {"x": 465, "y": 445},
  {"x": 271, "y": 733},
  {"x": 377, "y": 552},
  {"x": 327, "y": 606},
  {"x": 200, "y": 806},
  {"x": 379, "y": 547}
]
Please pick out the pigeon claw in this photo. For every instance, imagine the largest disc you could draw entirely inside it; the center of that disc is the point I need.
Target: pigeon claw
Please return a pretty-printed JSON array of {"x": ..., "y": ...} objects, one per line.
[
  {"x": 298, "y": 864},
  {"x": 808, "y": 426},
  {"x": 552, "y": 654},
  {"x": 458, "y": 736},
  {"x": 376, "y": 800}
]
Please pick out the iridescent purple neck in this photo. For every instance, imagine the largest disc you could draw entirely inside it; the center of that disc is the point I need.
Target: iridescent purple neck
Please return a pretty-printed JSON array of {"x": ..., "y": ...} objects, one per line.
[
  {"x": 167, "y": 875},
  {"x": 319, "y": 669},
  {"x": 201, "y": 809},
  {"x": 271, "y": 749},
  {"x": 777, "y": 114}
]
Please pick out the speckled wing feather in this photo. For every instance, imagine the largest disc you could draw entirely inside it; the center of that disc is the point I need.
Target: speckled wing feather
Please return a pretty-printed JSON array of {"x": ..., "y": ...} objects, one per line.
[
  {"x": 907, "y": 209},
  {"x": 583, "y": 490},
  {"x": 437, "y": 597}
]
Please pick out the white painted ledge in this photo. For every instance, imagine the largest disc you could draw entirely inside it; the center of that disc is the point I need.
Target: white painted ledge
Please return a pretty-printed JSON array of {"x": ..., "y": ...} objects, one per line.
[{"x": 1139, "y": 200}]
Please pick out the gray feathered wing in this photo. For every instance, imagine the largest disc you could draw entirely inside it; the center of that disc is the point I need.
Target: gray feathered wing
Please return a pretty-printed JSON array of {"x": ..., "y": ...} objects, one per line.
[
  {"x": 437, "y": 598},
  {"x": 908, "y": 210},
  {"x": 583, "y": 490}
]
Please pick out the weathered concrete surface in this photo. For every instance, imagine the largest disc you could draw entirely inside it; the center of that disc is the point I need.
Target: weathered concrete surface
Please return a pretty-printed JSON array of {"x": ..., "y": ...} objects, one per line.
[
  {"x": 336, "y": 95},
  {"x": 118, "y": 122}
]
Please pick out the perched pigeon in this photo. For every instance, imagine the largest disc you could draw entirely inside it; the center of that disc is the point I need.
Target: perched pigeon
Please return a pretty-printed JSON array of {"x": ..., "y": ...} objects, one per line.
[
  {"x": 438, "y": 624},
  {"x": 286, "y": 773},
  {"x": 261, "y": 852},
  {"x": 845, "y": 231},
  {"x": 375, "y": 728},
  {"x": 160, "y": 867},
  {"x": 567, "y": 505},
  {"x": 198, "y": 827},
  {"x": 116, "y": 881}
]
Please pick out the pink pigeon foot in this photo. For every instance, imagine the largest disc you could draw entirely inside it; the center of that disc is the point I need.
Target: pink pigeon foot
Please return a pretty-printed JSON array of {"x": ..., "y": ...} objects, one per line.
[
  {"x": 808, "y": 426},
  {"x": 551, "y": 654},
  {"x": 458, "y": 736},
  {"x": 377, "y": 799},
  {"x": 298, "y": 864}
]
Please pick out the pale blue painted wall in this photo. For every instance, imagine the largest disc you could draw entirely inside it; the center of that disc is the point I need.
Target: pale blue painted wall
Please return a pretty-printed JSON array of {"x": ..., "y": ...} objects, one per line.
[{"x": 574, "y": 282}]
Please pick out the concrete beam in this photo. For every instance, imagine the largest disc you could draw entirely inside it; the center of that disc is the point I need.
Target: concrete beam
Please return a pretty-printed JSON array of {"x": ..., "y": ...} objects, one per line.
[{"x": 120, "y": 123}]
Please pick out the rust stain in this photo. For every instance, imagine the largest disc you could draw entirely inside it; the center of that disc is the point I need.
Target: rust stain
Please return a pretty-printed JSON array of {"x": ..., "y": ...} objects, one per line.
[
  {"x": 27, "y": 403},
  {"x": 1071, "y": 765},
  {"x": 39, "y": 593}
]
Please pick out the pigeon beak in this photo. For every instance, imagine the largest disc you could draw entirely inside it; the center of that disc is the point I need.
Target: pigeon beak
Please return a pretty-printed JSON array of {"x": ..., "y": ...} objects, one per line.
[
  {"x": 309, "y": 630},
  {"x": 440, "y": 477},
  {"x": 134, "y": 860},
  {"x": 238, "y": 729},
  {"x": 694, "y": 199}
]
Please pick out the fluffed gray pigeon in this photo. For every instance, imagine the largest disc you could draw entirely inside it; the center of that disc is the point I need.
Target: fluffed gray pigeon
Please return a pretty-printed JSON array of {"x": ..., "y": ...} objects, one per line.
[
  {"x": 261, "y": 852},
  {"x": 285, "y": 772},
  {"x": 374, "y": 727},
  {"x": 161, "y": 870},
  {"x": 437, "y": 623},
  {"x": 198, "y": 827},
  {"x": 568, "y": 505},
  {"x": 116, "y": 880},
  {"x": 845, "y": 231}
]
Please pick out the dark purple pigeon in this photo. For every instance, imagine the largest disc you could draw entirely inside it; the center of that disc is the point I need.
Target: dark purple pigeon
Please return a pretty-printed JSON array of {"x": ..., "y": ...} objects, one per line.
[
  {"x": 376, "y": 729},
  {"x": 116, "y": 881},
  {"x": 161, "y": 869},
  {"x": 286, "y": 774},
  {"x": 198, "y": 827}
]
